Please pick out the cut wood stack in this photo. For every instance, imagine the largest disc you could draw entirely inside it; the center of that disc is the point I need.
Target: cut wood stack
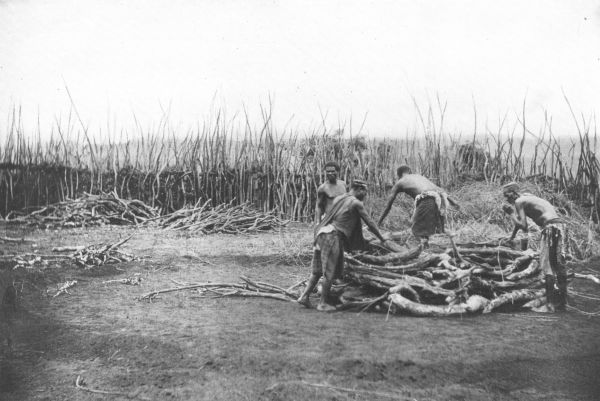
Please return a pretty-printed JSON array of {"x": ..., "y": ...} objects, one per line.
[
  {"x": 223, "y": 218},
  {"x": 89, "y": 210},
  {"x": 437, "y": 284}
]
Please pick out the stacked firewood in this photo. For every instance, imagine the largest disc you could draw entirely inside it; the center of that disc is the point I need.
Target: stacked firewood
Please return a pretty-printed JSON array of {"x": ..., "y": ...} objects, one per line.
[
  {"x": 89, "y": 210},
  {"x": 223, "y": 218},
  {"x": 99, "y": 254},
  {"x": 472, "y": 278}
]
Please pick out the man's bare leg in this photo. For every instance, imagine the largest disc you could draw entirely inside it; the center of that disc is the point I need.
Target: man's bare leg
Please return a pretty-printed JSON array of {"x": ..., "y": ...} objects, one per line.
[
  {"x": 324, "y": 306},
  {"x": 550, "y": 296},
  {"x": 561, "y": 281},
  {"x": 310, "y": 286}
]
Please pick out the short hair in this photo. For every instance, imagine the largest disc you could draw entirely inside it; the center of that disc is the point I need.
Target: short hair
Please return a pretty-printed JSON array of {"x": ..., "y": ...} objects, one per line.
[
  {"x": 510, "y": 187},
  {"x": 402, "y": 170},
  {"x": 333, "y": 164},
  {"x": 359, "y": 184}
]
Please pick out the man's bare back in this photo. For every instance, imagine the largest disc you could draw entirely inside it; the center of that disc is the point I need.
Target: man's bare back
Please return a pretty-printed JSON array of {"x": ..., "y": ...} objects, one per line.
[
  {"x": 413, "y": 185},
  {"x": 527, "y": 205},
  {"x": 537, "y": 209}
]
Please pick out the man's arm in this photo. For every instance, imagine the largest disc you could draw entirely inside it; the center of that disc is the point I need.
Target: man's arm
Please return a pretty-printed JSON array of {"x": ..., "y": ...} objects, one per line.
[
  {"x": 519, "y": 218},
  {"x": 395, "y": 191},
  {"x": 453, "y": 202},
  {"x": 360, "y": 208},
  {"x": 321, "y": 203}
]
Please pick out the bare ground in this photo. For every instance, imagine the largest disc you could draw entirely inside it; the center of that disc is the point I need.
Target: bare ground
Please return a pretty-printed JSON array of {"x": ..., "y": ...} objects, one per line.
[{"x": 184, "y": 347}]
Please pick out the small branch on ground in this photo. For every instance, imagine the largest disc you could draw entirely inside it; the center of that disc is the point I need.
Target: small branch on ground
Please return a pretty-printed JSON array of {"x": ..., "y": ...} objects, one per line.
[
  {"x": 588, "y": 277},
  {"x": 342, "y": 389},
  {"x": 9, "y": 239},
  {"x": 63, "y": 288},
  {"x": 81, "y": 385}
]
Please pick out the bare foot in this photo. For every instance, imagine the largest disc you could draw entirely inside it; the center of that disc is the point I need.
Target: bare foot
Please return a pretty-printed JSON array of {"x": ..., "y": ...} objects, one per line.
[
  {"x": 546, "y": 308},
  {"x": 304, "y": 301},
  {"x": 325, "y": 308}
]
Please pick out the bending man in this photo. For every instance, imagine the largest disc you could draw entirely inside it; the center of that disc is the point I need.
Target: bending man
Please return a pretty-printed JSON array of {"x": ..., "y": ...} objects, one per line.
[
  {"x": 552, "y": 244},
  {"x": 430, "y": 204},
  {"x": 340, "y": 230}
]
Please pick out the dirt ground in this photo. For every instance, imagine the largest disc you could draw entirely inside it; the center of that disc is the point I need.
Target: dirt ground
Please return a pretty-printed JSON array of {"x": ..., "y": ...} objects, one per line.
[{"x": 184, "y": 347}]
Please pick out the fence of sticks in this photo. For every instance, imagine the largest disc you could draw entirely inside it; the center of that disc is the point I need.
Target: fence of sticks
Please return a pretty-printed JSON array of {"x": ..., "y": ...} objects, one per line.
[{"x": 276, "y": 171}]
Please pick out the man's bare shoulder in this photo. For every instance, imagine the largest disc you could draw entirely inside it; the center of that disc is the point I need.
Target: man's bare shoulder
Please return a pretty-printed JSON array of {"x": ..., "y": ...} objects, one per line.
[
  {"x": 529, "y": 199},
  {"x": 414, "y": 184},
  {"x": 526, "y": 200},
  {"x": 333, "y": 190},
  {"x": 357, "y": 203}
]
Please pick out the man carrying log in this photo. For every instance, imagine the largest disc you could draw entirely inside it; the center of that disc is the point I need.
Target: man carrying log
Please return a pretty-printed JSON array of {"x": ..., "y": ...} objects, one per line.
[
  {"x": 430, "y": 204},
  {"x": 329, "y": 190},
  {"x": 340, "y": 230},
  {"x": 553, "y": 241}
]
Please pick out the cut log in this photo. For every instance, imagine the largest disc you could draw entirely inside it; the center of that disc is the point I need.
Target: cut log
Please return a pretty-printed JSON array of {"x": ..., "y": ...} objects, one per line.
[
  {"x": 483, "y": 244},
  {"x": 395, "y": 258},
  {"x": 388, "y": 280},
  {"x": 425, "y": 261},
  {"x": 403, "y": 289},
  {"x": 535, "y": 303},
  {"x": 514, "y": 297},
  {"x": 588, "y": 277},
  {"x": 403, "y": 305},
  {"x": 500, "y": 251},
  {"x": 533, "y": 268}
]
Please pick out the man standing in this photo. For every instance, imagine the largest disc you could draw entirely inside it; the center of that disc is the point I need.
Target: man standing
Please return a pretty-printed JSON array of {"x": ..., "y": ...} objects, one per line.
[
  {"x": 430, "y": 204},
  {"x": 329, "y": 190},
  {"x": 340, "y": 229},
  {"x": 553, "y": 241}
]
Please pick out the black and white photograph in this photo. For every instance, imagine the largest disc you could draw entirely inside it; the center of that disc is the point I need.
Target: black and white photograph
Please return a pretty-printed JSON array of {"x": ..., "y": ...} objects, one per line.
[{"x": 299, "y": 200}]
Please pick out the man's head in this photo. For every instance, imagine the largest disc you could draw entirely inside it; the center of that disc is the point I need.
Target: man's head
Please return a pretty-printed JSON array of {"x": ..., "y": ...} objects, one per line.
[
  {"x": 359, "y": 189},
  {"x": 332, "y": 170},
  {"x": 511, "y": 191},
  {"x": 403, "y": 169}
]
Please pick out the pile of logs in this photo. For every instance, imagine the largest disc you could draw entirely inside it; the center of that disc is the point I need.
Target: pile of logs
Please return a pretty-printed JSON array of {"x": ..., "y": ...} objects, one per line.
[
  {"x": 89, "y": 210},
  {"x": 108, "y": 208},
  {"x": 223, "y": 218},
  {"x": 473, "y": 278}
]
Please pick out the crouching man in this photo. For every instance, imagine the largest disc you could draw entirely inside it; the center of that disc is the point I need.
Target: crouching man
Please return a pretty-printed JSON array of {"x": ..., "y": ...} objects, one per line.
[
  {"x": 341, "y": 229},
  {"x": 553, "y": 241}
]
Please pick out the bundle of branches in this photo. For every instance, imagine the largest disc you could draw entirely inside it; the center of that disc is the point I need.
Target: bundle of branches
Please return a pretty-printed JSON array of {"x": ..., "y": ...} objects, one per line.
[
  {"x": 98, "y": 254},
  {"x": 472, "y": 278},
  {"x": 223, "y": 218},
  {"x": 247, "y": 288},
  {"x": 91, "y": 255},
  {"x": 106, "y": 208}
]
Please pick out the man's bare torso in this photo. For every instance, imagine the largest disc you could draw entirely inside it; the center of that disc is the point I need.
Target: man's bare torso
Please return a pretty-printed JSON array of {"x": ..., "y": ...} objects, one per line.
[
  {"x": 414, "y": 184},
  {"x": 537, "y": 209},
  {"x": 328, "y": 191}
]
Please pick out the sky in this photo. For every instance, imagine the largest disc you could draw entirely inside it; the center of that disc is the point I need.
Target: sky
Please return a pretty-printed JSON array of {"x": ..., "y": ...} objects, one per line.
[{"x": 309, "y": 61}]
